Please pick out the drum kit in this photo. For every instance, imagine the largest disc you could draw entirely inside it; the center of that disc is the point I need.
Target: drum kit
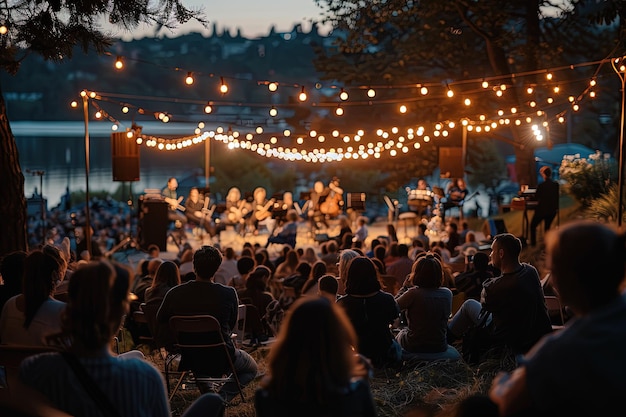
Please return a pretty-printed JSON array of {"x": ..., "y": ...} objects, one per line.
[{"x": 425, "y": 202}]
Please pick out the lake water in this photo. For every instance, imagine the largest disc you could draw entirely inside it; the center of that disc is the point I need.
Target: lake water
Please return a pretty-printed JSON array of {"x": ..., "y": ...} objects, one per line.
[{"x": 58, "y": 150}]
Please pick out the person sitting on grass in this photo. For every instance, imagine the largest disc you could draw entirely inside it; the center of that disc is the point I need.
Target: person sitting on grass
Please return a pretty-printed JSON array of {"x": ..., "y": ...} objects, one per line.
[{"x": 312, "y": 368}]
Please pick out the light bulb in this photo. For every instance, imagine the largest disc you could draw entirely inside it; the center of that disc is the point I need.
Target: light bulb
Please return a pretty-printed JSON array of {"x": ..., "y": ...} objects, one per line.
[
  {"x": 223, "y": 86},
  {"x": 119, "y": 63},
  {"x": 189, "y": 78},
  {"x": 208, "y": 108},
  {"x": 302, "y": 96},
  {"x": 339, "y": 111},
  {"x": 371, "y": 93},
  {"x": 272, "y": 86},
  {"x": 273, "y": 111},
  {"x": 343, "y": 95}
]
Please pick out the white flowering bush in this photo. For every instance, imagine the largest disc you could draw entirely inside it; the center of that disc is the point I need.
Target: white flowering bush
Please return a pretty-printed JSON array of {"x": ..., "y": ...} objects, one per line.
[{"x": 586, "y": 179}]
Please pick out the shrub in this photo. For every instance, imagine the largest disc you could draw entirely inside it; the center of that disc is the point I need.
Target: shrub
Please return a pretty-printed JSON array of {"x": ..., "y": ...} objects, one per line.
[{"x": 586, "y": 179}]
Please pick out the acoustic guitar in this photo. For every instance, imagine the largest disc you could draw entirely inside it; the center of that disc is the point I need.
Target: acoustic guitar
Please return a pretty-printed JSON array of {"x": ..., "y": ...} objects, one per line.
[
  {"x": 175, "y": 204},
  {"x": 262, "y": 212}
]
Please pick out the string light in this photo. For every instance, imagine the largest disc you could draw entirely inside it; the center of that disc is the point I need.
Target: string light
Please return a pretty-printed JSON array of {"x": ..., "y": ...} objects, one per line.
[
  {"x": 339, "y": 110},
  {"x": 343, "y": 95},
  {"x": 223, "y": 86},
  {"x": 371, "y": 93},
  {"x": 189, "y": 78},
  {"x": 208, "y": 108},
  {"x": 272, "y": 86},
  {"x": 302, "y": 96},
  {"x": 273, "y": 111},
  {"x": 119, "y": 63}
]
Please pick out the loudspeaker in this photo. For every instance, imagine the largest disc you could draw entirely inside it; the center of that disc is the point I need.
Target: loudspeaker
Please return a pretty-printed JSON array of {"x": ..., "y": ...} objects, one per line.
[
  {"x": 125, "y": 157},
  {"x": 153, "y": 223},
  {"x": 451, "y": 164}
]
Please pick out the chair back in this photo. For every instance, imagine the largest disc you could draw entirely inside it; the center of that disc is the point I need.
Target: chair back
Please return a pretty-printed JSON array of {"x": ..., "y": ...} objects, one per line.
[
  {"x": 555, "y": 311},
  {"x": 202, "y": 348}
]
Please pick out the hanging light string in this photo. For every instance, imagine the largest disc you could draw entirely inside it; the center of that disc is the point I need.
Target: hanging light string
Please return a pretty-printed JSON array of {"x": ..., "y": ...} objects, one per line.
[{"x": 359, "y": 144}]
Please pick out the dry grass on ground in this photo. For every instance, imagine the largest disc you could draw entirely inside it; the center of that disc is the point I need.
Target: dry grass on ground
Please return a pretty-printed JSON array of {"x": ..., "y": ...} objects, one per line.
[{"x": 424, "y": 389}]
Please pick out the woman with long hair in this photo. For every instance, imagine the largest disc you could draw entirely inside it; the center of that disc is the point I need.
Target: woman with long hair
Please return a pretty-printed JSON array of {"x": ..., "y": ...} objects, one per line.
[
  {"x": 312, "y": 366},
  {"x": 166, "y": 277},
  {"x": 28, "y": 318},
  {"x": 345, "y": 257},
  {"x": 310, "y": 286},
  {"x": 371, "y": 312}
]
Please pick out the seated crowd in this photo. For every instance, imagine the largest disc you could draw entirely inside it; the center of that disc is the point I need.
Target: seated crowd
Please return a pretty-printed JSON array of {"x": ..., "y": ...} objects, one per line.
[{"x": 334, "y": 315}]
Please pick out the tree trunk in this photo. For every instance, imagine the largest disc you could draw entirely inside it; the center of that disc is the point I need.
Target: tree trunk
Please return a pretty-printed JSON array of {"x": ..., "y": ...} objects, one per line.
[{"x": 12, "y": 200}]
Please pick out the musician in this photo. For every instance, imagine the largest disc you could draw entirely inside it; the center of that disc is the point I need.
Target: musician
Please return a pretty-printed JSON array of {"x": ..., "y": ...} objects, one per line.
[
  {"x": 261, "y": 209},
  {"x": 286, "y": 234},
  {"x": 197, "y": 211},
  {"x": 171, "y": 196},
  {"x": 547, "y": 196},
  {"x": 234, "y": 206},
  {"x": 333, "y": 203},
  {"x": 421, "y": 199},
  {"x": 314, "y": 214},
  {"x": 455, "y": 196}
]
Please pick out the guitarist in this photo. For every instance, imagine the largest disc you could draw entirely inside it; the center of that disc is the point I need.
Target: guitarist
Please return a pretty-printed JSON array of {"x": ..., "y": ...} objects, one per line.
[
  {"x": 262, "y": 208},
  {"x": 169, "y": 194},
  {"x": 198, "y": 212},
  {"x": 455, "y": 196}
]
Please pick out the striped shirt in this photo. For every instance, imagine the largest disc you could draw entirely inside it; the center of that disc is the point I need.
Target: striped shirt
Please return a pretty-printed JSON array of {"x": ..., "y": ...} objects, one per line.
[{"x": 135, "y": 387}]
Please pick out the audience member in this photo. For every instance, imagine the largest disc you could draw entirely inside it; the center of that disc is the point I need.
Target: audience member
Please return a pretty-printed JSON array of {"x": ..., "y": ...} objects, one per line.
[
  {"x": 228, "y": 267},
  {"x": 427, "y": 305},
  {"x": 470, "y": 281},
  {"x": 360, "y": 235},
  {"x": 312, "y": 368},
  {"x": 30, "y": 317},
  {"x": 166, "y": 277},
  {"x": 245, "y": 265},
  {"x": 518, "y": 316},
  {"x": 98, "y": 300},
  {"x": 371, "y": 312},
  {"x": 11, "y": 272},
  {"x": 327, "y": 286},
  {"x": 331, "y": 257},
  {"x": 204, "y": 296},
  {"x": 578, "y": 371},
  {"x": 402, "y": 266},
  {"x": 317, "y": 271},
  {"x": 289, "y": 266},
  {"x": 345, "y": 258}
]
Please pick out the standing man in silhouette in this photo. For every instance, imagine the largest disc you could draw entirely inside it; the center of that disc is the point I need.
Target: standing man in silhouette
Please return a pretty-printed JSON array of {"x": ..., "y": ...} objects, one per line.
[{"x": 547, "y": 203}]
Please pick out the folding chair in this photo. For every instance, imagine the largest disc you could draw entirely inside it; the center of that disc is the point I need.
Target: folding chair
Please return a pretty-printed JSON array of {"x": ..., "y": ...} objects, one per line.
[
  {"x": 555, "y": 309},
  {"x": 240, "y": 336},
  {"x": 203, "y": 352}
]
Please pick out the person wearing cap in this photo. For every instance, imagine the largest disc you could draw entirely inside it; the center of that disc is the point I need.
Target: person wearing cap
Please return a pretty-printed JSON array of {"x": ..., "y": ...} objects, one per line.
[{"x": 547, "y": 203}]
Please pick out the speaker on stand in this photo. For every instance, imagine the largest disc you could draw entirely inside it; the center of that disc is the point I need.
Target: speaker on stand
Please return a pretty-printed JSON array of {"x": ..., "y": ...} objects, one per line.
[
  {"x": 451, "y": 164},
  {"x": 125, "y": 157},
  {"x": 152, "y": 223}
]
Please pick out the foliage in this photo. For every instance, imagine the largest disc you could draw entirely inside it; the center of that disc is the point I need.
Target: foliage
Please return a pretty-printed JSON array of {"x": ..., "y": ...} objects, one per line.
[
  {"x": 485, "y": 163},
  {"x": 605, "y": 206},
  {"x": 412, "y": 42},
  {"x": 53, "y": 29},
  {"x": 587, "y": 178}
]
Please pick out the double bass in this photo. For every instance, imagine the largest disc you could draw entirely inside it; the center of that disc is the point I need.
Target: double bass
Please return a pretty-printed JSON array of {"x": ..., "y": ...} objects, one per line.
[{"x": 331, "y": 206}]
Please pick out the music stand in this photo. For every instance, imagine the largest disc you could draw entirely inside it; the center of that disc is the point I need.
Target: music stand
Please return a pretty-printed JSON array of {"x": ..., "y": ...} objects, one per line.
[{"x": 356, "y": 201}]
